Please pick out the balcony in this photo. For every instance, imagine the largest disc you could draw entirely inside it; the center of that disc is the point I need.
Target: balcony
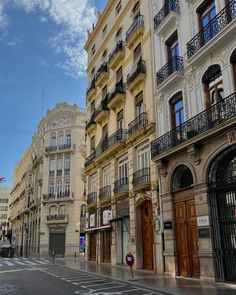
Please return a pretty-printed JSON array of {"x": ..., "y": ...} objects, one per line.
[
  {"x": 170, "y": 73},
  {"x": 105, "y": 193},
  {"x": 102, "y": 112},
  {"x": 91, "y": 91},
  {"x": 49, "y": 197},
  {"x": 92, "y": 199},
  {"x": 64, "y": 146},
  {"x": 117, "y": 96},
  {"x": 208, "y": 123},
  {"x": 137, "y": 76},
  {"x": 102, "y": 75},
  {"x": 138, "y": 124},
  {"x": 121, "y": 186},
  {"x": 117, "y": 55},
  {"x": 59, "y": 148},
  {"x": 59, "y": 219},
  {"x": 216, "y": 26},
  {"x": 141, "y": 179},
  {"x": 65, "y": 195},
  {"x": 59, "y": 172},
  {"x": 49, "y": 149},
  {"x": 167, "y": 16},
  {"x": 51, "y": 173},
  {"x": 135, "y": 32},
  {"x": 91, "y": 124},
  {"x": 67, "y": 171},
  {"x": 89, "y": 160}
]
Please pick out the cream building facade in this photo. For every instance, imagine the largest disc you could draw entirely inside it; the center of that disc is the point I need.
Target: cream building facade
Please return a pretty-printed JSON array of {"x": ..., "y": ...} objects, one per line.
[
  {"x": 195, "y": 149},
  {"x": 4, "y": 209},
  {"x": 47, "y": 199},
  {"x": 121, "y": 179}
]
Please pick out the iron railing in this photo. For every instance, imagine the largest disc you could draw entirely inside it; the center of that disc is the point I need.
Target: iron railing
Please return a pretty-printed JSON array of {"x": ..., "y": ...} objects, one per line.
[
  {"x": 51, "y": 173},
  {"x": 56, "y": 217},
  {"x": 216, "y": 25},
  {"x": 139, "y": 68},
  {"x": 121, "y": 185},
  {"x": 92, "y": 198},
  {"x": 63, "y": 195},
  {"x": 119, "y": 48},
  {"x": 51, "y": 148},
  {"x": 90, "y": 159},
  {"x": 64, "y": 146},
  {"x": 141, "y": 176},
  {"x": 138, "y": 123},
  {"x": 176, "y": 64},
  {"x": 138, "y": 22},
  {"x": 118, "y": 89},
  {"x": 91, "y": 121},
  {"x": 67, "y": 171},
  {"x": 103, "y": 69},
  {"x": 59, "y": 172},
  {"x": 91, "y": 86},
  {"x": 209, "y": 118},
  {"x": 105, "y": 193},
  {"x": 47, "y": 197},
  {"x": 169, "y": 6},
  {"x": 102, "y": 106}
]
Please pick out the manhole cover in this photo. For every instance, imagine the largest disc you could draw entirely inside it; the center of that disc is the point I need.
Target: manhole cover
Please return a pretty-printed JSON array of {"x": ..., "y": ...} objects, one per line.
[{"x": 6, "y": 288}]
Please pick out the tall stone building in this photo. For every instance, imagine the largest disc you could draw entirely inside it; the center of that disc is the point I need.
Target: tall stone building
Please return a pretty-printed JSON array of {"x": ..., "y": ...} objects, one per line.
[
  {"x": 121, "y": 180},
  {"x": 4, "y": 210},
  {"x": 195, "y": 149},
  {"x": 47, "y": 199}
]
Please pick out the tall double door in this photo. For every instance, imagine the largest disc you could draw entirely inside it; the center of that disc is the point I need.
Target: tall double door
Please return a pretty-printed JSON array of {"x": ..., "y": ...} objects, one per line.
[
  {"x": 106, "y": 246},
  {"x": 92, "y": 246},
  {"x": 187, "y": 242}
]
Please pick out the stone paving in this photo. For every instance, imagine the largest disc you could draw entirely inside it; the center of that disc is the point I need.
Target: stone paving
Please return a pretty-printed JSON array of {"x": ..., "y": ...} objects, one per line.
[{"x": 148, "y": 279}]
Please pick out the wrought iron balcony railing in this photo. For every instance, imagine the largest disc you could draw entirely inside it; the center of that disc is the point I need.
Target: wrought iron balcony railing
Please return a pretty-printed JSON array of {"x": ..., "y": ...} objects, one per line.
[
  {"x": 118, "y": 89},
  {"x": 138, "y": 123},
  {"x": 139, "y": 68},
  {"x": 216, "y": 25},
  {"x": 169, "y": 6},
  {"x": 92, "y": 198},
  {"x": 56, "y": 217},
  {"x": 119, "y": 48},
  {"x": 121, "y": 185},
  {"x": 102, "y": 106},
  {"x": 65, "y": 146},
  {"x": 103, "y": 69},
  {"x": 176, "y": 64},
  {"x": 51, "y": 173},
  {"x": 59, "y": 172},
  {"x": 141, "y": 176},
  {"x": 105, "y": 193},
  {"x": 47, "y": 197},
  {"x": 90, "y": 159},
  {"x": 138, "y": 22},
  {"x": 92, "y": 86},
  {"x": 206, "y": 120},
  {"x": 91, "y": 121},
  {"x": 67, "y": 171},
  {"x": 51, "y": 148}
]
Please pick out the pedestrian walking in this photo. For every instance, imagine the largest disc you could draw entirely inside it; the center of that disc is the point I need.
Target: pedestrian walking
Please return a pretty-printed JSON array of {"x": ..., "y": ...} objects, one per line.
[{"x": 53, "y": 254}]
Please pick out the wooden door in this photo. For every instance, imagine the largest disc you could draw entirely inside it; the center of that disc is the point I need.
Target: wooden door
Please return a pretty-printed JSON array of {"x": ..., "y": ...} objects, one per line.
[
  {"x": 92, "y": 247},
  {"x": 106, "y": 246},
  {"x": 187, "y": 239},
  {"x": 147, "y": 235}
]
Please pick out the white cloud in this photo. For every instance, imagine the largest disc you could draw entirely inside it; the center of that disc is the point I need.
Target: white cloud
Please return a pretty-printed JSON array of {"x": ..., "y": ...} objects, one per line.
[
  {"x": 13, "y": 42},
  {"x": 74, "y": 18}
]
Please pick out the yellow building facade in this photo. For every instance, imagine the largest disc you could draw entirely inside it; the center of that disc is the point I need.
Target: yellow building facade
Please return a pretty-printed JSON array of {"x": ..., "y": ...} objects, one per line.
[{"x": 120, "y": 177}]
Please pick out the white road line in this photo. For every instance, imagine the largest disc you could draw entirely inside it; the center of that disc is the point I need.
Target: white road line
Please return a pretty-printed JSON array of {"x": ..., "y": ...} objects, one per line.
[
  {"x": 20, "y": 263},
  {"x": 30, "y": 262},
  {"x": 0, "y": 264},
  {"x": 106, "y": 288},
  {"x": 99, "y": 284},
  {"x": 40, "y": 262},
  {"x": 9, "y": 263}
]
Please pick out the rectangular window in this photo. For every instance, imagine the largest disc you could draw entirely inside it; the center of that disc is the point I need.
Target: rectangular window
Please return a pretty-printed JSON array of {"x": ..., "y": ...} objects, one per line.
[
  {"x": 137, "y": 53},
  {"x": 107, "y": 176},
  {"x": 59, "y": 187},
  {"x": 52, "y": 165},
  {"x": 143, "y": 156},
  {"x": 118, "y": 7},
  {"x": 67, "y": 188},
  {"x": 136, "y": 10},
  {"x": 67, "y": 163},
  {"x": 51, "y": 188},
  {"x": 59, "y": 164},
  {"x": 53, "y": 141},
  {"x": 60, "y": 140},
  {"x": 104, "y": 31},
  {"x": 123, "y": 167},
  {"x": 120, "y": 120},
  {"x": 119, "y": 74},
  {"x": 139, "y": 104},
  {"x": 93, "y": 50},
  {"x": 92, "y": 107},
  {"x": 92, "y": 144},
  {"x": 104, "y": 92},
  {"x": 68, "y": 140},
  {"x": 93, "y": 183}
]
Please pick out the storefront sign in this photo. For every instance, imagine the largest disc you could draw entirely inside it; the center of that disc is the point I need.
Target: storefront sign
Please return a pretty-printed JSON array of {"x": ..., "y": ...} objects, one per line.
[
  {"x": 203, "y": 220},
  {"x": 92, "y": 219},
  {"x": 204, "y": 232},
  {"x": 168, "y": 225}
]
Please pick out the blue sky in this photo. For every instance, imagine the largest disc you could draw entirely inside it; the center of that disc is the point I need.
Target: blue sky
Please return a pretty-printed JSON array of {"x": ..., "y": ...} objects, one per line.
[{"x": 41, "y": 50}]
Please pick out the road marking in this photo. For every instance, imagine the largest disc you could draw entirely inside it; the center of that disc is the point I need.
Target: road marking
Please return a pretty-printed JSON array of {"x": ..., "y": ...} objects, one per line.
[
  {"x": 9, "y": 263},
  {"x": 20, "y": 263},
  {"x": 40, "y": 262}
]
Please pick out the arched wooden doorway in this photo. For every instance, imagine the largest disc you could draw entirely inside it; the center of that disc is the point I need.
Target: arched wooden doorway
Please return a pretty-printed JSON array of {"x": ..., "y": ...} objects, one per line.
[
  {"x": 185, "y": 223},
  {"x": 222, "y": 200}
]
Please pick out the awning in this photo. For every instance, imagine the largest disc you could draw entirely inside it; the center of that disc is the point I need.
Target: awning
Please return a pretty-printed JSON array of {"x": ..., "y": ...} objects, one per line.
[{"x": 97, "y": 228}]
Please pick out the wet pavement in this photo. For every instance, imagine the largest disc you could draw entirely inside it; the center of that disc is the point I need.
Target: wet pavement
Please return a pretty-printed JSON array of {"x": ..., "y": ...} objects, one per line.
[{"x": 148, "y": 279}]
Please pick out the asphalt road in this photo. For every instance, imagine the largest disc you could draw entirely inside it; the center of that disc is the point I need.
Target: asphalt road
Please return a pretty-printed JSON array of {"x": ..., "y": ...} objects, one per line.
[{"x": 42, "y": 277}]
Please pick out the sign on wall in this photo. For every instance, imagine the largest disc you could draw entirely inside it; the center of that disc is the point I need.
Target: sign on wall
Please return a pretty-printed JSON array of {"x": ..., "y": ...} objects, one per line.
[
  {"x": 107, "y": 216},
  {"x": 203, "y": 220},
  {"x": 92, "y": 220}
]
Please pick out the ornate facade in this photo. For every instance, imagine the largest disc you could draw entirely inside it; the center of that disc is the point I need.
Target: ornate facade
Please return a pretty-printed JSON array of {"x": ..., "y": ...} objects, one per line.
[{"x": 47, "y": 199}]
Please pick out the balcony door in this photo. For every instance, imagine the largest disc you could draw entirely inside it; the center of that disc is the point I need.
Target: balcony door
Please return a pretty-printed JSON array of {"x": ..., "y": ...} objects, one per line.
[
  {"x": 123, "y": 168},
  {"x": 177, "y": 117},
  {"x": 143, "y": 157},
  {"x": 233, "y": 63},
  {"x": 173, "y": 52}
]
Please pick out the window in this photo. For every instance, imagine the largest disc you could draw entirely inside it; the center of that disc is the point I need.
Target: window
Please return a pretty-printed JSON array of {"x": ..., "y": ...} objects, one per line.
[
  {"x": 120, "y": 120},
  {"x": 104, "y": 92},
  {"x": 68, "y": 140},
  {"x": 59, "y": 164},
  {"x": 177, "y": 110},
  {"x": 51, "y": 188},
  {"x": 137, "y": 53},
  {"x": 173, "y": 50},
  {"x": 60, "y": 140},
  {"x": 53, "y": 210},
  {"x": 59, "y": 187},
  {"x": 104, "y": 132},
  {"x": 93, "y": 183},
  {"x": 119, "y": 74},
  {"x": 62, "y": 210},
  {"x": 92, "y": 73},
  {"x": 92, "y": 144},
  {"x": 104, "y": 56},
  {"x": 92, "y": 107},
  {"x": 52, "y": 165},
  {"x": 67, "y": 188},
  {"x": 182, "y": 178},
  {"x": 83, "y": 211},
  {"x": 67, "y": 163},
  {"x": 106, "y": 176},
  {"x": 53, "y": 141},
  {"x": 136, "y": 10},
  {"x": 119, "y": 34},
  {"x": 123, "y": 167},
  {"x": 104, "y": 31},
  {"x": 93, "y": 50},
  {"x": 233, "y": 63},
  {"x": 143, "y": 156},
  {"x": 139, "y": 104},
  {"x": 118, "y": 7}
]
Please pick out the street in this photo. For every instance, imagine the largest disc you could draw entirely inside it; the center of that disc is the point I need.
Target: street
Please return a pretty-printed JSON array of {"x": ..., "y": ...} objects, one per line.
[{"x": 41, "y": 276}]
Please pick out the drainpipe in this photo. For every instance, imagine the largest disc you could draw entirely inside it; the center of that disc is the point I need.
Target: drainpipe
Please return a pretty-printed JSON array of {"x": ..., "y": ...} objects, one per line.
[{"x": 161, "y": 219}]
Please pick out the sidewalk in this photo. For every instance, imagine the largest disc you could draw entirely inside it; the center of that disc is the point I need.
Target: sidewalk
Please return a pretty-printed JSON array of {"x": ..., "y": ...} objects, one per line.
[{"x": 148, "y": 279}]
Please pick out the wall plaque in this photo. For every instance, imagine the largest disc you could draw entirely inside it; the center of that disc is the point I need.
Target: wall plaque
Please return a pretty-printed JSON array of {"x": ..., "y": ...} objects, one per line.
[
  {"x": 168, "y": 225},
  {"x": 203, "y": 220},
  {"x": 204, "y": 232}
]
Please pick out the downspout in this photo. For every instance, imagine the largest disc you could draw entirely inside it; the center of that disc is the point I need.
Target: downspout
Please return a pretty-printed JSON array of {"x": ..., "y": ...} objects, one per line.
[{"x": 161, "y": 219}]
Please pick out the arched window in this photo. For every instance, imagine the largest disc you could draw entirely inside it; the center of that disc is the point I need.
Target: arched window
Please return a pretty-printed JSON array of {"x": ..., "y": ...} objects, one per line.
[
  {"x": 53, "y": 210},
  {"x": 233, "y": 62},
  {"x": 213, "y": 85},
  {"x": 182, "y": 178},
  {"x": 177, "y": 110},
  {"x": 62, "y": 210}
]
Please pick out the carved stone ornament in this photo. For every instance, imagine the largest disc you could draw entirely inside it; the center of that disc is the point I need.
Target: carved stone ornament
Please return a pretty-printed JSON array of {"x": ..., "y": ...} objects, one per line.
[
  {"x": 231, "y": 135},
  {"x": 162, "y": 167},
  {"x": 194, "y": 153}
]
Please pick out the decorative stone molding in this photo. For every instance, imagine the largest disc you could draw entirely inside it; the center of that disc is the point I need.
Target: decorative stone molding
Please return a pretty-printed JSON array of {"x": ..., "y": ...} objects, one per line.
[
  {"x": 194, "y": 153},
  {"x": 162, "y": 167},
  {"x": 231, "y": 135}
]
